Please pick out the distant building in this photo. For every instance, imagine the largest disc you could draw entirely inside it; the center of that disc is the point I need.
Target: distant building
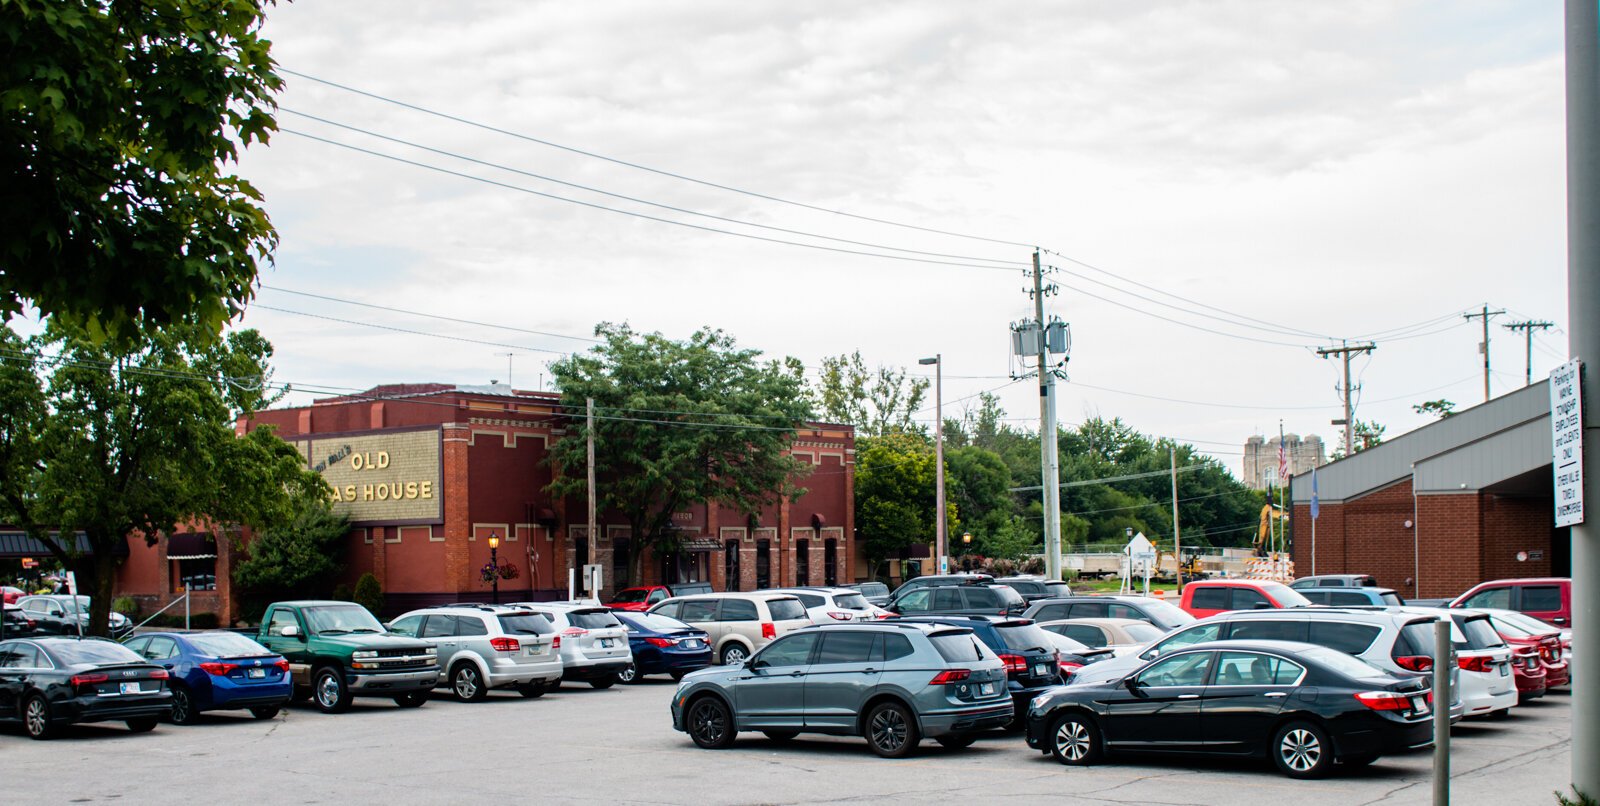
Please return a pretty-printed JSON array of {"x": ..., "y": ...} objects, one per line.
[{"x": 1261, "y": 458}]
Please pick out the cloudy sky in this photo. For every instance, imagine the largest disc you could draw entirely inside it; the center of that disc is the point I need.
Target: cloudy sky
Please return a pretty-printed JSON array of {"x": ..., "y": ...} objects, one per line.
[{"x": 1225, "y": 186}]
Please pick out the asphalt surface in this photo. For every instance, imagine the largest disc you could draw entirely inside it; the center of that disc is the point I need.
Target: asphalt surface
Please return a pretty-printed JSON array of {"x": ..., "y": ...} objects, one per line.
[{"x": 579, "y": 745}]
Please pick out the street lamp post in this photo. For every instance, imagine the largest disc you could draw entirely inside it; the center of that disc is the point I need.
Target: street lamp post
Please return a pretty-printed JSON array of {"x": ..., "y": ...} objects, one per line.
[
  {"x": 494, "y": 563},
  {"x": 966, "y": 548},
  {"x": 938, "y": 458}
]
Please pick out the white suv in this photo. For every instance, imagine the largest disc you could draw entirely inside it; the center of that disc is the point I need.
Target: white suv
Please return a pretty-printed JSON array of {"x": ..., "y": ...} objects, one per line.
[
  {"x": 594, "y": 645},
  {"x": 1487, "y": 685},
  {"x": 483, "y": 647},
  {"x": 831, "y": 605}
]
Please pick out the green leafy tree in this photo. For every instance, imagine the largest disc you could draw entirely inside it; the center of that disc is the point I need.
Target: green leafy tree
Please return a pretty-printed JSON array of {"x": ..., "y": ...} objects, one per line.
[
  {"x": 1440, "y": 408},
  {"x": 1367, "y": 434},
  {"x": 128, "y": 439},
  {"x": 117, "y": 124},
  {"x": 876, "y": 402},
  {"x": 678, "y": 423},
  {"x": 296, "y": 559},
  {"x": 895, "y": 494}
]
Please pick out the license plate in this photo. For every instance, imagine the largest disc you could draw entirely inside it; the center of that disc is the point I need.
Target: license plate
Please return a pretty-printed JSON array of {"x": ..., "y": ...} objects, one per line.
[
  {"x": 605, "y": 643},
  {"x": 1505, "y": 669},
  {"x": 1419, "y": 704},
  {"x": 986, "y": 689},
  {"x": 1041, "y": 671},
  {"x": 256, "y": 673},
  {"x": 130, "y": 688},
  {"x": 530, "y": 651},
  {"x": 692, "y": 643}
]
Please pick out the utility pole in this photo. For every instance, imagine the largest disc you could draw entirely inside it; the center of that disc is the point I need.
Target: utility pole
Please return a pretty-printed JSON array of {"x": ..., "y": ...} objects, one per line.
[
  {"x": 1485, "y": 315},
  {"x": 939, "y": 561},
  {"x": 1048, "y": 459},
  {"x": 588, "y": 558},
  {"x": 1177, "y": 541},
  {"x": 1347, "y": 352},
  {"x": 1529, "y": 326},
  {"x": 1583, "y": 341}
]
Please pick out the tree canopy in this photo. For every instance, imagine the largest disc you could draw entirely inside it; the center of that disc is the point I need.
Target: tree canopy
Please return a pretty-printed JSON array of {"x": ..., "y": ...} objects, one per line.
[
  {"x": 678, "y": 423},
  {"x": 117, "y": 122},
  {"x": 877, "y": 402}
]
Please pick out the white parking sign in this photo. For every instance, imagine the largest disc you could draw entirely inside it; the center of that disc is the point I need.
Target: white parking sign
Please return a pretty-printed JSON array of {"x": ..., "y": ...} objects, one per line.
[{"x": 1566, "y": 430}]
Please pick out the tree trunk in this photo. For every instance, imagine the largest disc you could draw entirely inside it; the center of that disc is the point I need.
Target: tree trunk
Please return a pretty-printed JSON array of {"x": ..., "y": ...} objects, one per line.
[{"x": 103, "y": 566}]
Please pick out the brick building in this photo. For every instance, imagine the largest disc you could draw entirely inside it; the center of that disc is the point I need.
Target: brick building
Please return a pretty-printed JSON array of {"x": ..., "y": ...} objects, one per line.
[
  {"x": 1442, "y": 508},
  {"x": 427, "y": 473}
]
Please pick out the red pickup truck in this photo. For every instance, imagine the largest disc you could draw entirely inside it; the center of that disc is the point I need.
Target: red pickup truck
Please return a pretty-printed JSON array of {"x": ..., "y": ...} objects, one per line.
[
  {"x": 1208, "y": 597},
  {"x": 644, "y": 597}
]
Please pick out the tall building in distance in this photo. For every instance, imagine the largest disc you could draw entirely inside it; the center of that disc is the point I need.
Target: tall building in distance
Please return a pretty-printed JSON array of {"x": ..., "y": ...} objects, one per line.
[{"x": 1261, "y": 458}]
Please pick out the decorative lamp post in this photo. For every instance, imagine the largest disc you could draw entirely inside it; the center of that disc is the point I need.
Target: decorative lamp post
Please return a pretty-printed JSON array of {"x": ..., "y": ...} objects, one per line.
[
  {"x": 494, "y": 563},
  {"x": 966, "y": 547}
]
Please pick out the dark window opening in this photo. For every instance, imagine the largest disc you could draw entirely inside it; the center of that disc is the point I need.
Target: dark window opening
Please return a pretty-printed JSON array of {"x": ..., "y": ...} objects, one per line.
[
  {"x": 802, "y": 562},
  {"x": 830, "y": 562},
  {"x": 763, "y": 564},
  {"x": 730, "y": 566},
  {"x": 620, "y": 576}
]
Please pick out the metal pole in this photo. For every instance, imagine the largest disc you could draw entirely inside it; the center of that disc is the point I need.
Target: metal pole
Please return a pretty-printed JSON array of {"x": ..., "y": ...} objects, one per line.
[
  {"x": 1049, "y": 464},
  {"x": 1583, "y": 341},
  {"x": 1349, "y": 413},
  {"x": 938, "y": 459},
  {"x": 186, "y": 605},
  {"x": 494, "y": 562},
  {"x": 1177, "y": 540},
  {"x": 1443, "y": 662},
  {"x": 588, "y": 554}
]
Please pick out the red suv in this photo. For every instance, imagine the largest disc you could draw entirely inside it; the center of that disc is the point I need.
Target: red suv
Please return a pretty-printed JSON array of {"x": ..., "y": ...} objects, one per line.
[
  {"x": 1545, "y": 598},
  {"x": 1208, "y": 597}
]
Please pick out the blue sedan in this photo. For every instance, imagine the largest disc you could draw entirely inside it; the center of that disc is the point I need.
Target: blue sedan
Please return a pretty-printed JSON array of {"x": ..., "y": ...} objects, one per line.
[
  {"x": 216, "y": 671},
  {"x": 662, "y": 645}
]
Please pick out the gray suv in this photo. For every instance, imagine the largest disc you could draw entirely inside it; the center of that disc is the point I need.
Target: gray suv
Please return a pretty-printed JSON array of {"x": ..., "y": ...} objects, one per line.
[
  {"x": 483, "y": 647},
  {"x": 890, "y": 683}
]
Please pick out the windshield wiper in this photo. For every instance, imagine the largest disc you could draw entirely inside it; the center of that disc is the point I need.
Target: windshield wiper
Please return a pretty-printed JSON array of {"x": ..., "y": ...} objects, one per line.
[
  {"x": 365, "y": 629},
  {"x": 334, "y": 631}
]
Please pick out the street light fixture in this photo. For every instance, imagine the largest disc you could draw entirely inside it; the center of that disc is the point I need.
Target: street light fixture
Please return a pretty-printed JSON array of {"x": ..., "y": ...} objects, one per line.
[
  {"x": 938, "y": 457},
  {"x": 494, "y": 563}
]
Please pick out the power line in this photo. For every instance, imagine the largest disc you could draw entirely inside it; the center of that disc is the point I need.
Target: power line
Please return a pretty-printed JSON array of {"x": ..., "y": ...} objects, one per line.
[
  {"x": 409, "y": 331},
  {"x": 637, "y": 166},
  {"x": 428, "y": 315},
  {"x": 1182, "y": 323}
]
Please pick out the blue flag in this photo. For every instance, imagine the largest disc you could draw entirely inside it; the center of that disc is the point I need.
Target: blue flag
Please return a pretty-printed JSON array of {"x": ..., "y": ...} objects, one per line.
[{"x": 1314, "y": 506}]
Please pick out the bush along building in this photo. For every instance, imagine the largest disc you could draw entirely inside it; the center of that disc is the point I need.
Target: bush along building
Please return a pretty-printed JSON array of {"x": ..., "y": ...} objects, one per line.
[{"x": 429, "y": 474}]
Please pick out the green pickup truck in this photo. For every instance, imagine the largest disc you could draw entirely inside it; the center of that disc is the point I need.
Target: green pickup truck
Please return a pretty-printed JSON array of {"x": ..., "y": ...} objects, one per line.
[{"x": 338, "y": 650}]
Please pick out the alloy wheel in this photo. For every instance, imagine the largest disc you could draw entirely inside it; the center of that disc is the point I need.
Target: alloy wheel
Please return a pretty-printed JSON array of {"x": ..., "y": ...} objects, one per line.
[
  {"x": 1072, "y": 740},
  {"x": 628, "y": 674},
  {"x": 328, "y": 691},
  {"x": 182, "y": 707},
  {"x": 888, "y": 729},
  {"x": 467, "y": 683},
  {"x": 37, "y": 718},
  {"x": 1300, "y": 750},
  {"x": 709, "y": 723},
  {"x": 733, "y": 655}
]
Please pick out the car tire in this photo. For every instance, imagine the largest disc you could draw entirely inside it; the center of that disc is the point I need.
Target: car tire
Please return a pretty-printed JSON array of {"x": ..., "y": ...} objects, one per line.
[
  {"x": 265, "y": 711},
  {"x": 467, "y": 682},
  {"x": 413, "y": 699},
  {"x": 956, "y": 741},
  {"x": 676, "y": 676},
  {"x": 603, "y": 682},
  {"x": 329, "y": 692},
  {"x": 1302, "y": 750},
  {"x": 300, "y": 694},
  {"x": 532, "y": 691},
  {"x": 734, "y": 654},
  {"x": 1075, "y": 740},
  {"x": 36, "y": 719},
  {"x": 143, "y": 724},
  {"x": 890, "y": 730},
  {"x": 628, "y": 676},
  {"x": 709, "y": 723},
  {"x": 781, "y": 735},
  {"x": 1359, "y": 760},
  {"x": 1503, "y": 713},
  {"x": 183, "y": 707}
]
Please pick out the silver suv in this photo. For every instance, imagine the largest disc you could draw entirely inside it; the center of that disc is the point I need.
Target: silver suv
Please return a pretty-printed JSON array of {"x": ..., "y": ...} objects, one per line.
[
  {"x": 594, "y": 645},
  {"x": 891, "y": 683},
  {"x": 483, "y": 647}
]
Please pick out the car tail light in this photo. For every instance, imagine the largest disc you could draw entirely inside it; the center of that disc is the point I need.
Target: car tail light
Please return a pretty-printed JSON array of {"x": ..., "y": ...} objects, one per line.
[
  {"x": 1482, "y": 663},
  {"x": 661, "y": 642},
  {"x": 555, "y": 643},
  {"x": 282, "y": 664},
  {"x": 214, "y": 668},
  {"x": 1384, "y": 700},
  {"x": 505, "y": 644},
  {"x": 769, "y": 630},
  {"x": 89, "y": 679},
  {"x": 1014, "y": 663},
  {"x": 839, "y": 616},
  {"x": 575, "y": 631},
  {"x": 1416, "y": 663},
  {"x": 950, "y": 676}
]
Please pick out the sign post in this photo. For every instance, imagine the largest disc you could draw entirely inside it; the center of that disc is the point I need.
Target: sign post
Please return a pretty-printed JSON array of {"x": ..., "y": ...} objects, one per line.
[{"x": 1566, "y": 443}]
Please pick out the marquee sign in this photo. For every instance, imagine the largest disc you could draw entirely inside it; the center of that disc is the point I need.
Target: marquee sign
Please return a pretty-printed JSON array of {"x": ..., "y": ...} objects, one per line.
[{"x": 387, "y": 478}]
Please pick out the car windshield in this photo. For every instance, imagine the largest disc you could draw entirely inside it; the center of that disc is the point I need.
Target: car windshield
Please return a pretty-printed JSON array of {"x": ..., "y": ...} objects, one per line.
[
  {"x": 525, "y": 624},
  {"x": 73, "y": 653},
  {"x": 341, "y": 619},
  {"x": 1480, "y": 634},
  {"x": 1008, "y": 595},
  {"x": 1529, "y": 624},
  {"x": 851, "y": 601},
  {"x": 1057, "y": 588},
  {"x": 656, "y": 622},
  {"x": 593, "y": 619},
  {"x": 1284, "y": 595},
  {"x": 1345, "y": 664},
  {"x": 1026, "y": 638},
  {"x": 1142, "y": 632},
  {"x": 1391, "y": 599},
  {"x": 1064, "y": 643},
  {"x": 225, "y": 645},
  {"x": 631, "y": 596},
  {"x": 957, "y": 647},
  {"x": 1167, "y": 614},
  {"x": 1517, "y": 630}
]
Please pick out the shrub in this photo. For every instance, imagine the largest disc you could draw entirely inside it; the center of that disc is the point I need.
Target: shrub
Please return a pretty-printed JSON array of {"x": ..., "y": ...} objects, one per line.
[
  {"x": 369, "y": 593},
  {"x": 126, "y": 606},
  {"x": 341, "y": 593},
  {"x": 1581, "y": 799}
]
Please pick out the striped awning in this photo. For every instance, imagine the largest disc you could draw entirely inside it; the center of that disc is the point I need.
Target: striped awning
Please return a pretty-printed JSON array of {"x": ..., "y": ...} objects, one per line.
[{"x": 191, "y": 546}]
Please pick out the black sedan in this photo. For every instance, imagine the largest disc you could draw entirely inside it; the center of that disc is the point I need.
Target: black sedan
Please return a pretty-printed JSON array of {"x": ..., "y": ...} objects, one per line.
[
  {"x": 48, "y": 683},
  {"x": 1304, "y": 706}
]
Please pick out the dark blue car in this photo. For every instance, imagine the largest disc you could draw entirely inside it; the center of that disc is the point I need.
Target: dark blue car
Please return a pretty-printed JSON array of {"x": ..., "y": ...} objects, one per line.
[
  {"x": 217, "y": 671},
  {"x": 662, "y": 645}
]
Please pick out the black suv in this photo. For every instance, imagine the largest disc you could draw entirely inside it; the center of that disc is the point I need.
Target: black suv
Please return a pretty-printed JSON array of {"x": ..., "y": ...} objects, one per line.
[
  {"x": 937, "y": 580},
  {"x": 959, "y": 600},
  {"x": 1165, "y": 615},
  {"x": 1034, "y": 588},
  {"x": 1032, "y": 662}
]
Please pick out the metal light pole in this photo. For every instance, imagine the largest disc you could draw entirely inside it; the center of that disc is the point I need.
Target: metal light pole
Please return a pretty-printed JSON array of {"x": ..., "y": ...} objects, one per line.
[
  {"x": 494, "y": 562},
  {"x": 938, "y": 457}
]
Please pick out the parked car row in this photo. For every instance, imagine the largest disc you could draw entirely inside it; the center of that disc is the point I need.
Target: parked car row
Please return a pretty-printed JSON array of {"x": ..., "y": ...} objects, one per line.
[{"x": 54, "y": 614}]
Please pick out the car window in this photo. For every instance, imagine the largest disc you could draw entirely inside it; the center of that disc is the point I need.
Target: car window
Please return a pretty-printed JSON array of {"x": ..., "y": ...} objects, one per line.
[
  {"x": 593, "y": 619},
  {"x": 657, "y": 595},
  {"x": 406, "y": 625},
  {"x": 1051, "y": 612},
  {"x": 1267, "y": 630},
  {"x": 1351, "y": 639},
  {"x": 1280, "y": 593},
  {"x": 1089, "y": 636},
  {"x": 1253, "y": 669},
  {"x": 20, "y": 656},
  {"x": 1317, "y": 597},
  {"x": 1338, "y": 598},
  {"x": 1391, "y": 599},
  {"x": 225, "y": 645},
  {"x": 957, "y": 647},
  {"x": 1024, "y": 637},
  {"x": 696, "y": 611},
  {"x": 670, "y": 610},
  {"x": 470, "y": 626},
  {"x": 786, "y": 609},
  {"x": 1181, "y": 670},
  {"x": 1493, "y": 597},
  {"x": 1335, "y": 582},
  {"x": 1126, "y": 611},
  {"x": 1209, "y": 599},
  {"x": 1025, "y": 586},
  {"x": 947, "y": 598},
  {"x": 850, "y": 601},
  {"x": 979, "y": 597},
  {"x": 809, "y": 599},
  {"x": 847, "y": 647},
  {"x": 1480, "y": 634},
  {"x": 633, "y": 595},
  {"x": 136, "y": 645},
  {"x": 896, "y": 646},
  {"x": 437, "y": 626},
  {"x": 1178, "y": 640},
  {"x": 788, "y": 651},
  {"x": 1340, "y": 662},
  {"x": 1057, "y": 589},
  {"x": 71, "y": 653},
  {"x": 161, "y": 648},
  {"x": 1540, "y": 598},
  {"x": 280, "y": 620},
  {"x": 1089, "y": 610},
  {"x": 914, "y": 602},
  {"x": 525, "y": 624},
  {"x": 1249, "y": 599},
  {"x": 738, "y": 610},
  {"x": 1144, "y": 632}
]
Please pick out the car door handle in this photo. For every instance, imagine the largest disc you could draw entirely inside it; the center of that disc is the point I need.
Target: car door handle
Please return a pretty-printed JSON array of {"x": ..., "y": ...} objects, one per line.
[
  {"x": 797, "y": 674},
  {"x": 869, "y": 670},
  {"x": 1277, "y": 694},
  {"x": 1188, "y": 696}
]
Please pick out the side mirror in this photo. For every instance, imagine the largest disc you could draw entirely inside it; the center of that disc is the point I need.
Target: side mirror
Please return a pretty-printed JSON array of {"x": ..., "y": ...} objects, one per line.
[
  {"x": 291, "y": 631},
  {"x": 1132, "y": 684},
  {"x": 1262, "y": 606}
]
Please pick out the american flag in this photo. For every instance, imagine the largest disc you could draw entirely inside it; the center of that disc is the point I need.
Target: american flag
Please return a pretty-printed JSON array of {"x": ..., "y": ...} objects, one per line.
[{"x": 1283, "y": 463}]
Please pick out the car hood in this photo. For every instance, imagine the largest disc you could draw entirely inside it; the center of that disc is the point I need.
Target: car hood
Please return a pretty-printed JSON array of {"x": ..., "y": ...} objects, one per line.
[
  {"x": 1109, "y": 670},
  {"x": 712, "y": 674},
  {"x": 372, "y": 641}
]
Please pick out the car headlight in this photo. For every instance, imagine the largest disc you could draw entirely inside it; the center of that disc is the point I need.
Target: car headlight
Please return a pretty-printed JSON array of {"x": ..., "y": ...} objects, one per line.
[
  {"x": 1037, "y": 702},
  {"x": 364, "y": 653}
]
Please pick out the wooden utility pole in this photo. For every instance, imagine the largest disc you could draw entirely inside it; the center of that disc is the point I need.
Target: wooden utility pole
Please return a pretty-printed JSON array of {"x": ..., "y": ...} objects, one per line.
[
  {"x": 1346, "y": 352},
  {"x": 1485, "y": 315},
  {"x": 588, "y": 558},
  {"x": 1529, "y": 326}
]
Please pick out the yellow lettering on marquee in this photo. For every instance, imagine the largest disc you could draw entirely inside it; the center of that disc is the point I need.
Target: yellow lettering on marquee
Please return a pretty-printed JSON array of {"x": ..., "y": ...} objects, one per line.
[
  {"x": 425, "y": 489},
  {"x": 383, "y": 459},
  {"x": 383, "y": 492},
  {"x": 411, "y": 490},
  {"x": 366, "y": 492},
  {"x": 356, "y": 461},
  {"x": 335, "y": 496},
  {"x": 350, "y": 492}
]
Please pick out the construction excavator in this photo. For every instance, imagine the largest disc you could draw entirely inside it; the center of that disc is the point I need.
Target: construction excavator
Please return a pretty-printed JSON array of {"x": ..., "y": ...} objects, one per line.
[{"x": 1264, "y": 534}]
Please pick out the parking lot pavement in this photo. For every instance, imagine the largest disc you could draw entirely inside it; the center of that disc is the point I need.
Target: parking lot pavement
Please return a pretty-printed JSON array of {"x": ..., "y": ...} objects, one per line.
[{"x": 579, "y": 745}]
